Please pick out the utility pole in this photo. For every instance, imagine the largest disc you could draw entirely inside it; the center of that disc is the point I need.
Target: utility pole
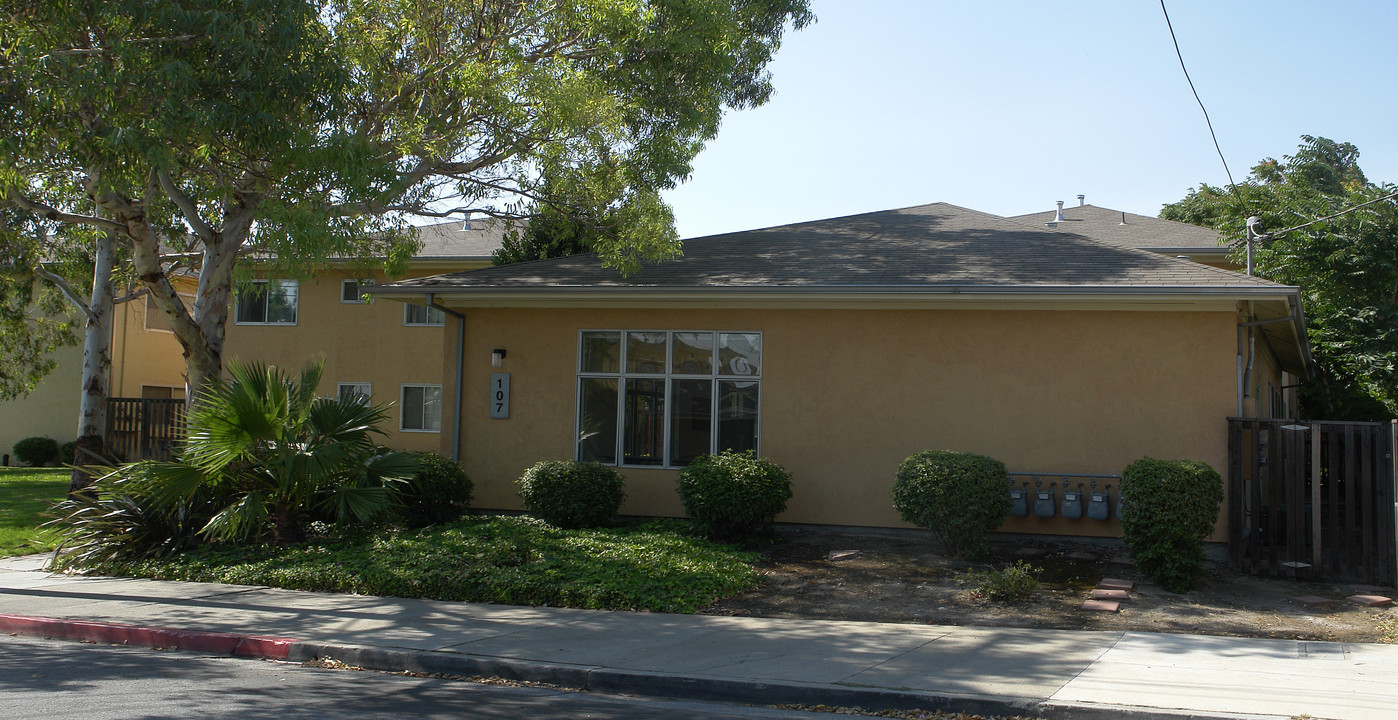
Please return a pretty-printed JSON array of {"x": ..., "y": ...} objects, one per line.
[{"x": 1251, "y": 236}]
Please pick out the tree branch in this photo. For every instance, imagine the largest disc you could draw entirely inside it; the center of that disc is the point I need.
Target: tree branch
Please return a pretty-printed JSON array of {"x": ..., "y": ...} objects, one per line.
[
  {"x": 186, "y": 206},
  {"x": 54, "y": 214},
  {"x": 67, "y": 291}
]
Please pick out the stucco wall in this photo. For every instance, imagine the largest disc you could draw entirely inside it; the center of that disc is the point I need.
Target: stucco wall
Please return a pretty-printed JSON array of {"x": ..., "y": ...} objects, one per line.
[
  {"x": 360, "y": 342},
  {"x": 847, "y": 394},
  {"x": 142, "y": 356},
  {"x": 50, "y": 410}
]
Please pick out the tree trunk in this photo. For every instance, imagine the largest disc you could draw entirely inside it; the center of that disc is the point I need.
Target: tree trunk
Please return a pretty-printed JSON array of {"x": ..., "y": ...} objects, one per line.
[
  {"x": 97, "y": 359},
  {"x": 288, "y": 528}
]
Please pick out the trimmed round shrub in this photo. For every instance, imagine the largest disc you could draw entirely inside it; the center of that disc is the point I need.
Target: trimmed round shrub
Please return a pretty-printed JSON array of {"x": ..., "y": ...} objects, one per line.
[
  {"x": 572, "y": 494},
  {"x": 959, "y": 497},
  {"x": 67, "y": 451},
  {"x": 36, "y": 451},
  {"x": 1168, "y": 508},
  {"x": 733, "y": 496},
  {"x": 439, "y": 493}
]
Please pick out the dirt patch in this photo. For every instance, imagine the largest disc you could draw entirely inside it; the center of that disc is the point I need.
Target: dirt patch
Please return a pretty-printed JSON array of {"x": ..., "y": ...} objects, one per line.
[{"x": 902, "y": 577}]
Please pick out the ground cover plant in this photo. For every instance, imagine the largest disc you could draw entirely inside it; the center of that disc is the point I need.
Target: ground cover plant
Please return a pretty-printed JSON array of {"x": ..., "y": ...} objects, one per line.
[
  {"x": 654, "y": 565},
  {"x": 25, "y": 495}
]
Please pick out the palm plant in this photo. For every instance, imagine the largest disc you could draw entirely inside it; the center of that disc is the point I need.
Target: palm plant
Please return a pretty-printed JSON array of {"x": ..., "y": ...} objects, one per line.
[{"x": 265, "y": 445}]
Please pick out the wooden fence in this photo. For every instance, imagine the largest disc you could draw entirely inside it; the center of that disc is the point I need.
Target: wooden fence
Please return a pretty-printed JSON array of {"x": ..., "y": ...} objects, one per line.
[
  {"x": 142, "y": 429},
  {"x": 1312, "y": 499}
]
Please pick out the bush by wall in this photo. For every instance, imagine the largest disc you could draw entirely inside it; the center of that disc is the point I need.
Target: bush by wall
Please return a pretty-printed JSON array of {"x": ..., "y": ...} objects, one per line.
[
  {"x": 439, "y": 493},
  {"x": 958, "y": 496},
  {"x": 1168, "y": 508},
  {"x": 67, "y": 451},
  {"x": 36, "y": 451},
  {"x": 733, "y": 496},
  {"x": 572, "y": 494}
]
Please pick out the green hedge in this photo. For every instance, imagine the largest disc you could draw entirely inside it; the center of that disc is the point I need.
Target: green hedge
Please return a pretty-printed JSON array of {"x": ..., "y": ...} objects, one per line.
[
  {"x": 959, "y": 497},
  {"x": 733, "y": 496},
  {"x": 36, "y": 451},
  {"x": 439, "y": 493},
  {"x": 572, "y": 494},
  {"x": 1168, "y": 508}
]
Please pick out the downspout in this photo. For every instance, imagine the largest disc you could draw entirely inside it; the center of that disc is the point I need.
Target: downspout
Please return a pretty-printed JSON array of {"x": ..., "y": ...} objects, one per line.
[{"x": 460, "y": 365}]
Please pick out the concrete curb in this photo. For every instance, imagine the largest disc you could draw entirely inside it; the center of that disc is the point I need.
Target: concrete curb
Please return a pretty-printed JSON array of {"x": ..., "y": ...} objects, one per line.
[
  {"x": 583, "y": 677},
  {"x": 616, "y": 681},
  {"x": 254, "y": 646}
]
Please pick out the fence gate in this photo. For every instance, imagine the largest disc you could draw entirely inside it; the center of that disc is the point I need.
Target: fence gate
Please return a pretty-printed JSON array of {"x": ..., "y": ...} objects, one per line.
[
  {"x": 1312, "y": 499},
  {"x": 144, "y": 429}
]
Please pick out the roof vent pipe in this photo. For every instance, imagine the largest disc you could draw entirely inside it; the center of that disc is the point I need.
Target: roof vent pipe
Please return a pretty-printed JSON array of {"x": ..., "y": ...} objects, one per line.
[
  {"x": 1123, "y": 217},
  {"x": 1081, "y": 198},
  {"x": 1058, "y": 217}
]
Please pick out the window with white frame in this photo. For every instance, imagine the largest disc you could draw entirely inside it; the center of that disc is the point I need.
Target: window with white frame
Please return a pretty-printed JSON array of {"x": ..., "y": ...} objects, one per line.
[
  {"x": 422, "y": 315},
  {"x": 421, "y": 408},
  {"x": 358, "y": 391},
  {"x": 662, "y": 398},
  {"x": 352, "y": 291},
  {"x": 267, "y": 302}
]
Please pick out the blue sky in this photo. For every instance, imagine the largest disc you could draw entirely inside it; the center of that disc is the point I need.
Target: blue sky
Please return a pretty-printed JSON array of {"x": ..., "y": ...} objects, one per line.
[{"x": 1006, "y": 106}]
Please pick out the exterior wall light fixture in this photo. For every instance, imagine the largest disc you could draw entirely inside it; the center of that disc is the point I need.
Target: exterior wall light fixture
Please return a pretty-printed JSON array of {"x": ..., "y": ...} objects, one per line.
[{"x": 496, "y": 356}]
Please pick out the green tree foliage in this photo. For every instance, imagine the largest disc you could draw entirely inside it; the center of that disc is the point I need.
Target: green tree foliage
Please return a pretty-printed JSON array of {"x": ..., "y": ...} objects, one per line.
[
  {"x": 35, "y": 317},
  {"x": 267, "y": 450},
  {"x": 198, "y": 131},
  {"x": 1346, "y": 267},
  {"x": 1168, "y": 508}
]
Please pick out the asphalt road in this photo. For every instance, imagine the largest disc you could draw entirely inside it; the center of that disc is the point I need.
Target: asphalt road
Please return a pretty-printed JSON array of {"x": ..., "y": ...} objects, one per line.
[{"x": 54, "y": 680}]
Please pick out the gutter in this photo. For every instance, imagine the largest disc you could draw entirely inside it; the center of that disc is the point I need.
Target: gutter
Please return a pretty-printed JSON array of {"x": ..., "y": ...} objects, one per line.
[
  {"x": 861, "y": 289},
  {"x": 460, "y": 366}
]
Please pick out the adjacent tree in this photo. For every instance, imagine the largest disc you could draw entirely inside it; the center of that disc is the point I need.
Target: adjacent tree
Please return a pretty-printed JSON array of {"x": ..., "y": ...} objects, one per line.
[
  {"x": 200, "y": 131},
  {"x": 1346, "y": 267}
]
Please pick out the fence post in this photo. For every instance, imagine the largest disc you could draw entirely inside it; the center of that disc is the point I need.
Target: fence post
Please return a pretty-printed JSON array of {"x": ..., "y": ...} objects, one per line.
[
  {"x": 1315, "y": 499},
  {"x": 1392, "y": 467}
]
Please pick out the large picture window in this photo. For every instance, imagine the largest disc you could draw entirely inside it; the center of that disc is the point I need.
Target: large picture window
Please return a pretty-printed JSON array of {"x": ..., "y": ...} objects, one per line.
[
  {"x": 661, "y": 398},
  {"x": 267, "y": 302}
]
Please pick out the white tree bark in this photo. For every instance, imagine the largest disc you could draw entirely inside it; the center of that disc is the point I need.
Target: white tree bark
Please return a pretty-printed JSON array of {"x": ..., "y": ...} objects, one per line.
[{"x": 97, "y": 360}]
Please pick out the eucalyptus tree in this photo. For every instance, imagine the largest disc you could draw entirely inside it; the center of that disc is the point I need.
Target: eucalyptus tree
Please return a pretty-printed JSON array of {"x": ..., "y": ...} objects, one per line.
[
  {"x": 1344, "y": 258},
  {"x": 200, "y": 131}
]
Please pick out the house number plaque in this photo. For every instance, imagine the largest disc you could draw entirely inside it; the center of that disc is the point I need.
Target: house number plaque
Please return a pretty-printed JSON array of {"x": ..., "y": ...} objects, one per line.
[{"x": 500, "y": 395}]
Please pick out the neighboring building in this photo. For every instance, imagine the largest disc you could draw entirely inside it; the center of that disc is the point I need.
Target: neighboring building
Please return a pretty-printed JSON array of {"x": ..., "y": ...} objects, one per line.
[
  {"x": 839, "y": 347},
  {"x": 382, "y": 350},
  {"x": 50, "y": 409},
  {"x": 1165, "y": 237},
  {"x": 387, "y": 352}
]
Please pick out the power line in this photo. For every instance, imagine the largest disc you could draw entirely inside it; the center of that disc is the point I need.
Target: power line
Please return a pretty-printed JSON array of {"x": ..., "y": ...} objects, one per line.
[
  {"x": 1208, "y": 122},
  {"x": 1331, "y": 217}
]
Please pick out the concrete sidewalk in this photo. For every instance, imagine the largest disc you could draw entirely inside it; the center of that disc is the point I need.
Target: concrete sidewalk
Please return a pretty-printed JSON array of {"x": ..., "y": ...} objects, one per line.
[{"x": 1056, "y": 673}]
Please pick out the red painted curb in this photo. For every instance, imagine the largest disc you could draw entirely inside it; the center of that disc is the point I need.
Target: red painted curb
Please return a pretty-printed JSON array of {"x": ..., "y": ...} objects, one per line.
[{"x": 211, "y": 642}]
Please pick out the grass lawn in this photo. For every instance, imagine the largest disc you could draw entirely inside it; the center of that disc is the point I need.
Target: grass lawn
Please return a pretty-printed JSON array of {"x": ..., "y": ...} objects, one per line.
[
  {"x": 25, "y": 494},
  {"x": 654, "y": 565}
]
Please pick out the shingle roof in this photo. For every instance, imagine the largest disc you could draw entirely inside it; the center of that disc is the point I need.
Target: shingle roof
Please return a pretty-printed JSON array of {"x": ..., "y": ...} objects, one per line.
[
  {"x": 928, "y": 247},
  {"x": 452, "y": 240},
  {"x": 1139, "y": 231}
]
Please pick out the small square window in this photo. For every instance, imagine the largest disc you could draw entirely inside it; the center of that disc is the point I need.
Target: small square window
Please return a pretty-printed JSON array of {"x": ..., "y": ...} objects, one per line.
[
  {"x": 352, "y": 291},
  {"x": 422, "y": 315},
  {"x": 360, "y": 391},
  {"x": 422, "y": 408}
]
